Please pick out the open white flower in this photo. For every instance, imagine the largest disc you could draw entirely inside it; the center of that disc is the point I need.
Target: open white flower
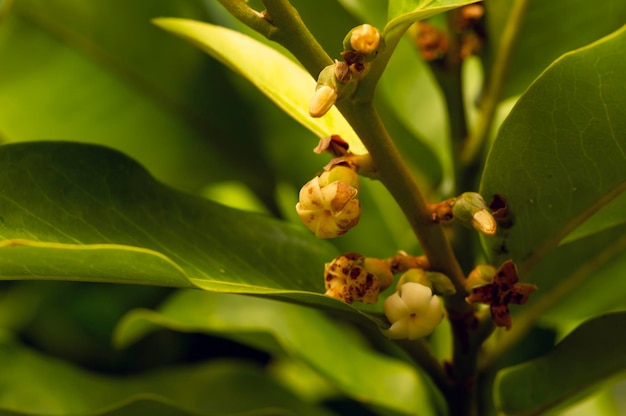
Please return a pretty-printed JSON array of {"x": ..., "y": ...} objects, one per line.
[{"x": 413, "y": 312}]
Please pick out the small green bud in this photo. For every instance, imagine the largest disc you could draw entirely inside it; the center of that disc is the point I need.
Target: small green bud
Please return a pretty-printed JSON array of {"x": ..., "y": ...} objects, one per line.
[
  {"x": 438, "y": 282},
  {"x": 471, "y": 209},
  {"x": 480, "y": 276}
]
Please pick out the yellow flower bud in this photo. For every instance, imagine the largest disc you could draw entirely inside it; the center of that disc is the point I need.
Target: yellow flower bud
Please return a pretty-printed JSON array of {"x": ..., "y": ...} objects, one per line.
[
  {"x": 365, "y": 38},
  {"x": 328, "y": 205}
]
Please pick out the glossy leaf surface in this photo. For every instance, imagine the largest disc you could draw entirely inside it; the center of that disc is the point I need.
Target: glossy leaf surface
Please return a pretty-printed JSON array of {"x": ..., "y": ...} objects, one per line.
[
  {"x": 80, "y": 212},
  {"x": 591, "y": 354},
  {"x": 560, "y": 155},
  {"x": 303, "y": 333}
]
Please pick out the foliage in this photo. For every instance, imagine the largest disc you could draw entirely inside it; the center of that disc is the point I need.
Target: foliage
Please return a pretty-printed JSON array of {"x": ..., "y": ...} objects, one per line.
[{"x": 171, "y": 172}]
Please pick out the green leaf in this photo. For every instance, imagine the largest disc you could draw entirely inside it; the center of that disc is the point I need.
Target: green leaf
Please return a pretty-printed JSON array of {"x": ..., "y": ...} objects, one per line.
[
  {"x": 403, "y": 13},
  {"x": 306, "y": 334},
  {"x": 33, "y": 384},
  {"x": 591, "y": 354},
  {"x": 559, "y": 156},
  {"x": 549, "y": 29},
  {"x": 81, "y": 80},
  {"x": 81, "y": 212},
  {"x": 581, "y": 279},
  {"x": 287, "y": 84}
]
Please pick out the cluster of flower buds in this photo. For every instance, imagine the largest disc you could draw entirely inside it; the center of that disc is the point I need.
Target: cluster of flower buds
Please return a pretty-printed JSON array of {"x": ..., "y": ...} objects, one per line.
[
  {"x": 328, "y": 204},
  {"x": 361, "y": 45},
  {"x": 352, "y": 277}
]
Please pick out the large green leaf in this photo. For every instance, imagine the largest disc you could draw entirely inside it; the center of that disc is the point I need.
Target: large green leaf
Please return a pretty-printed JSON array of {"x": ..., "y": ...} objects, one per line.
[
  {"x": 81, "y": 212},
  {"x": 283, "y": 81},
  {"x": 560, "y": 154},
  {"x": 549, "y": 29},
  {"x": 591, "y": 354},
  {"x": 277, "y": 327},
  {"x": 33, "y": 384}
]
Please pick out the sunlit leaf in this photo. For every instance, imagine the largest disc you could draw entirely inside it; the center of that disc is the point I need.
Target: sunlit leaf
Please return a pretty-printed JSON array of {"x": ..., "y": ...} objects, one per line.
[
  {"x": 287, "y": 84},
  {"x": 33, "y": 384},
  {"x": 560, "y": 155},
  {"x": 591, "y": 354},
  {"x": 304, "y": 333}
]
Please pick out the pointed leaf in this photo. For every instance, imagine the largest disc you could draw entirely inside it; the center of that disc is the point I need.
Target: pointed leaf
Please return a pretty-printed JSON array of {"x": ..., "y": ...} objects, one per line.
[
  {"x": 81, "y": 212},
  {"x": 560, "y": 154},
  {"x": 403, "y": 13},
  {"x": 304, "y": 333},
  {"x": 286, "y": 83},
  {"x": 33, "y": 384},
  {"x": 591, "y": 354}
]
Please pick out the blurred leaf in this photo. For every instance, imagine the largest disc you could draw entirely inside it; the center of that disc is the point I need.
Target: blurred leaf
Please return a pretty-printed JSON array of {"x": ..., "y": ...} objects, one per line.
[
  {"x": 373, "y": 12},
  {"x": 75, "y": 72},
  {"x": 33, "y": 384},
  {"x": 278, "y": 77},
  {"x": 591, "y": 354},
  {"x": 80, "y": 212},
  {"x": 549, "y": 29},
  {"x": 559, "y": 155},
  {"x": 303, "y": 333}
]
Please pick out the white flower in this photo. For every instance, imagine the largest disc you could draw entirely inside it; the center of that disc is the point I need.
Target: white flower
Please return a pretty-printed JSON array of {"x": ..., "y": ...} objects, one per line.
[{"x": 413, "y": 312}]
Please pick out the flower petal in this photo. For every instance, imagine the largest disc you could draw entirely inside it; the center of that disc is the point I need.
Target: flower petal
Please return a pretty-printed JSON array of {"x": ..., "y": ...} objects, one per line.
[{"x": 395, "y": 308}]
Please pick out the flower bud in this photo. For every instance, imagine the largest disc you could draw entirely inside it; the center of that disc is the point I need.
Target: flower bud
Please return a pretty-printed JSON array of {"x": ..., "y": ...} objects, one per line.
[
  {"x": 364, "y": 39},
  {"x": 325, "y": 97},
  {"x": 471, "y": 209},
  {"x": 480, "y": 276},
  {"x": 328, "y": 204},
  {"x": 353, "y": 277},
  {"x": 438, "y": 282},
  {"x": 413, "y": 312}
]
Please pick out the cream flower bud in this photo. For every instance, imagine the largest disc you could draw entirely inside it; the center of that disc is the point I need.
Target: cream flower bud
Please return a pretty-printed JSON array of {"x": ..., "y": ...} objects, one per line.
[
  {"x": 324, "y": 98},
  {"x": 413, "y": 312},
  {"x": 328, "y": 204},
  {"x": 364, "y": 38}
]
